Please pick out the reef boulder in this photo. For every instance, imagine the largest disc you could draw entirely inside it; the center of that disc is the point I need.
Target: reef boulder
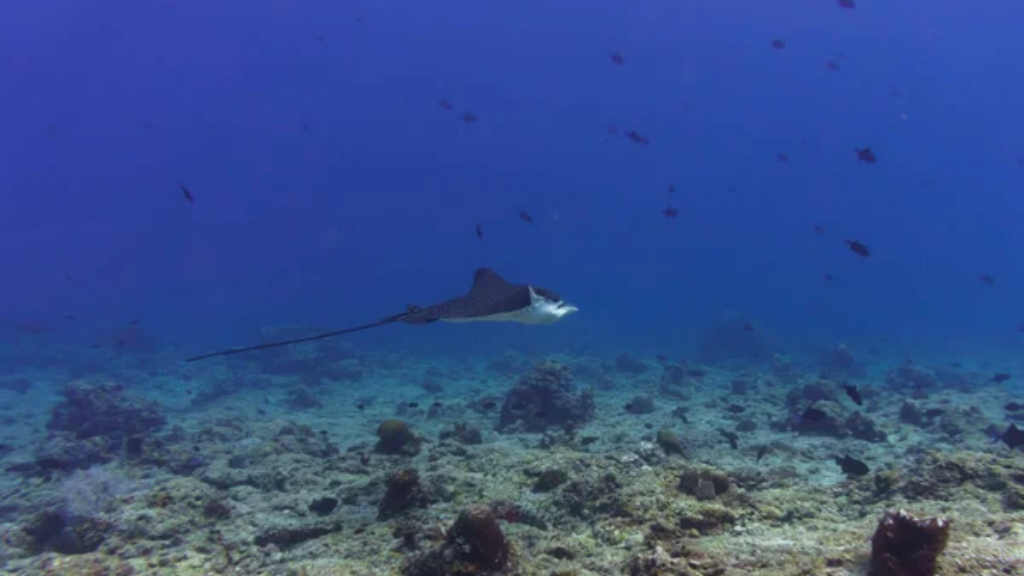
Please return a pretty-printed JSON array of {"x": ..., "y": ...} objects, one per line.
[
  {"x": 475, "y": 545},
  {"x": 545, "y": 397},
  {"x": 904, "y": 545},
  {"x": 90, "y": 410},
  {"x": 396, "y": 438}
]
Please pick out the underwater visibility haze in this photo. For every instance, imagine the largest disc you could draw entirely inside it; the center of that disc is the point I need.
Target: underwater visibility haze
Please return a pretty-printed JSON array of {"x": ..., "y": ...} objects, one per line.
[{"x": 668, "y": 287}]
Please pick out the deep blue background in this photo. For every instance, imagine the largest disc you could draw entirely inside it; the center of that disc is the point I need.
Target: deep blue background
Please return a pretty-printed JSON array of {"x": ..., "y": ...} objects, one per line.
[{"x": 374, "y": 206}]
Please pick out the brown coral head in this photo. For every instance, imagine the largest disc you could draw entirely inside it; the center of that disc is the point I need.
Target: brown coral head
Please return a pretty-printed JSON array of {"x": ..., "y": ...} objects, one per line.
[
  {"x": 904, "y": 545},
  {"x": 479, "y": 538},
  {"x": 395, "y": 437}
]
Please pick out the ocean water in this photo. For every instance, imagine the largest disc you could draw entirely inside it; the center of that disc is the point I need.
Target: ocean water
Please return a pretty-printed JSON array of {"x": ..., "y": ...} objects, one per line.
[{"x": 181, "y": 177}]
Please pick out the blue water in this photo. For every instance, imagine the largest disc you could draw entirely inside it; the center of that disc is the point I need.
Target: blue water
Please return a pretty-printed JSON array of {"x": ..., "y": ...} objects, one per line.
[{"x": 331, "y": 188}]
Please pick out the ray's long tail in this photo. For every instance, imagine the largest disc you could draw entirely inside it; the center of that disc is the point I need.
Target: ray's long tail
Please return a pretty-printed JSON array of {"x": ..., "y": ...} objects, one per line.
[{"x": 383, "y": 322}]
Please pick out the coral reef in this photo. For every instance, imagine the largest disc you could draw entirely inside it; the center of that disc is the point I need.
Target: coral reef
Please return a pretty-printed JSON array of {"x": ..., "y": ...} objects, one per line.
[
  {"x": 395, "y": 437},
  {"x": 703, "y": 483},
  {"x": 904, "y": 545},
  {"x": 545, "y": 397},
  {"x": 475, "y": 545},
  {"x": 103, "y": 410},
  {"x": 913, "y": 377},
  {"x": 710, "y": 479},
  {"x": 403, "y": 492},
  {"x": 670, "y": 442},
  {"x": 839, "y": 360}
]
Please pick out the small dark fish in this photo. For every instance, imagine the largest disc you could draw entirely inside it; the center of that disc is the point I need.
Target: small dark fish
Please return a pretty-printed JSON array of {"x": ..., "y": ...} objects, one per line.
[
  {"x": 1013, "y": 437},
  {"x": 852, "y": 467},
  {"x": 648, "y": 425},
  {"x": 187, "y": 193},
  {"x": 987, "y": 279},
  {"x": 525, "y": 217},
  {"x": 413, "y": 404},
  {"x": 778, "y": 44},
  {"x": 850, "y": 4},
  {"x": 469, "y": 117},
  {"x": 436, "y": 405},
  {"x": 479, "y": 232},
  {"x": 360, "y": 406},
  {"x": 1001, "y": 377},
  {"x": 188, "y": 391},
  {"x": 813, "y": 414},
  {"x": 762, "y": 452},
  {"x": 858, "y": 248},
  {"x": 671, "y": 189},
  {"x": 828, "y": 278},
  {"x": 1013, "y": 406},
  {"x": 488, "y": 404},
  {"x": 747, "y": 326},
  {"x": 445, "y": 104},
  {"x": 670, "y": 212},
  {"x": 832, "y": 65},
  {"x": 617, "y": 59},
  {"x": 636, "y": 137},
  {"x": 784, "y": 158},
  {"x": 819, "y": 229},
  {"x": 854, "y": 394},
  {"x": 934, "y": 412},
  {"x": 866, "y": 155}
]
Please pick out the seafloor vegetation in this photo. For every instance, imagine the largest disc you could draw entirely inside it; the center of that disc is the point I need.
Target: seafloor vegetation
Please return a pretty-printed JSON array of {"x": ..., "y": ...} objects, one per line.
[{"x": 328, "y": 459}]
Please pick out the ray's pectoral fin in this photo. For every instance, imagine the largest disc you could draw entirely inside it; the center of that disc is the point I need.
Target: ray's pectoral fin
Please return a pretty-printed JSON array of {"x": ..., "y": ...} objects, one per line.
[{"x": 486, "y": 280}]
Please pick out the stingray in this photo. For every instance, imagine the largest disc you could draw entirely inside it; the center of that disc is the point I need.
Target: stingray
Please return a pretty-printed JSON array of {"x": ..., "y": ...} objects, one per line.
[{"x": 490, "y": 299}]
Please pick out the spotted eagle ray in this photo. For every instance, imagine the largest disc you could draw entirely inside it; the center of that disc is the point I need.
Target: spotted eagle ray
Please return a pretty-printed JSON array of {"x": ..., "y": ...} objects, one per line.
[{"x": 490, "y": 299}]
